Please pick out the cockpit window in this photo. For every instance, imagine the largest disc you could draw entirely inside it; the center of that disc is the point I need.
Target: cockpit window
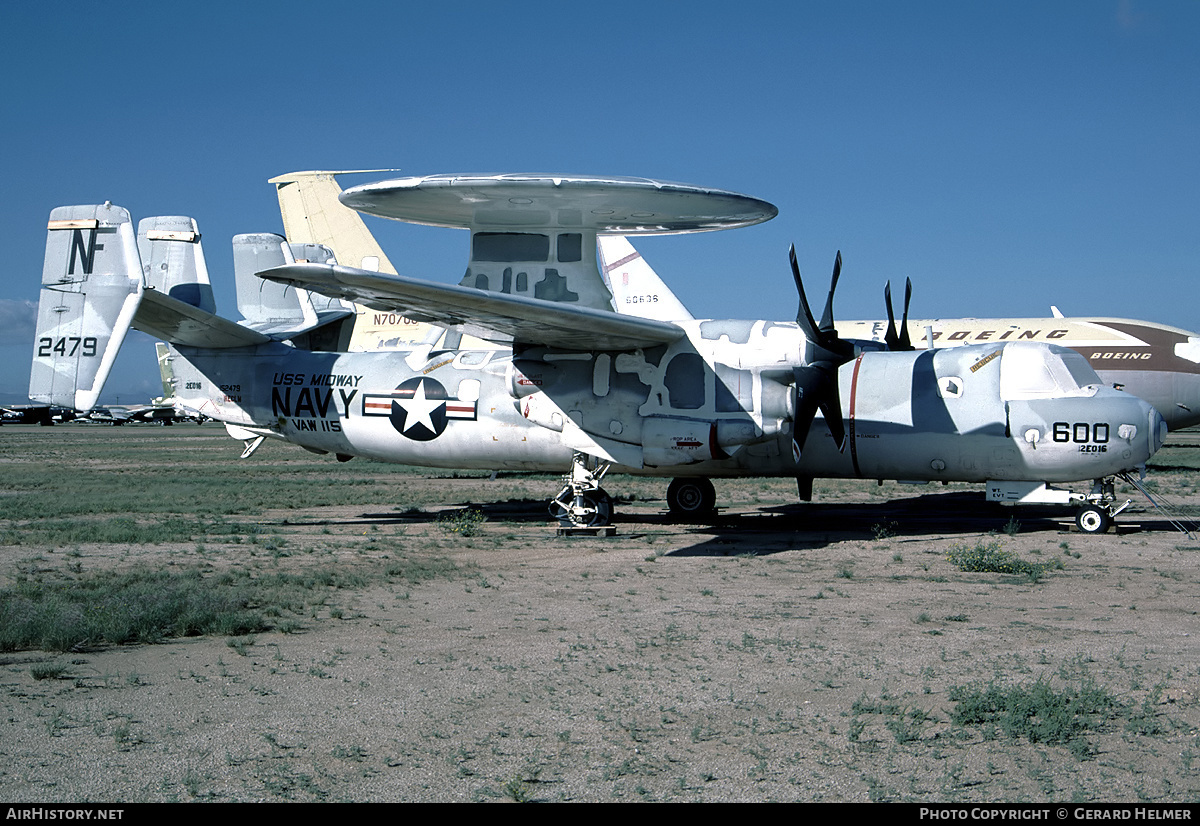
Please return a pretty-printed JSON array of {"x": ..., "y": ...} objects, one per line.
[
  {"x": 1038, "y": 371},
  {"x": 1080, "y": 370}
]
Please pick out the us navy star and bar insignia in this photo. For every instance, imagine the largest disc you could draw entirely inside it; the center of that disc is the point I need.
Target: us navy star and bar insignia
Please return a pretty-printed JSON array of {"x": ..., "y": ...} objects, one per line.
[{"x": 419, "y": 408}]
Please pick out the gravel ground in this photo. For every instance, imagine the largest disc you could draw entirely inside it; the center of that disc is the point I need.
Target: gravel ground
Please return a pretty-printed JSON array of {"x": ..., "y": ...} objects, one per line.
[{"x": 811, "y": 653}]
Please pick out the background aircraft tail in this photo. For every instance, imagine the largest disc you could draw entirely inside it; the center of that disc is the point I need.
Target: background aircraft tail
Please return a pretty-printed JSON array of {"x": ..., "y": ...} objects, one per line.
[
  {"x": 91, "y": 288},
  {"x": 312, "y": 214},
  {"x": 635, "y": 286}
]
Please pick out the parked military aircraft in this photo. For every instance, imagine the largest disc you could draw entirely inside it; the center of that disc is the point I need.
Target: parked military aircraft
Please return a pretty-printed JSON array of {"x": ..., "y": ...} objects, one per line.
[
  {"x": 43, "y": 414},
  {"x": 1156, "y": 362},
  {"x": 577, "y": 387}
]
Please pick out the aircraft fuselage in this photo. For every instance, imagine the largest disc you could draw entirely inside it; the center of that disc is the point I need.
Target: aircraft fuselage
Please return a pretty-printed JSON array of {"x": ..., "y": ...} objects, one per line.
[{"x": 717, "y": 403}]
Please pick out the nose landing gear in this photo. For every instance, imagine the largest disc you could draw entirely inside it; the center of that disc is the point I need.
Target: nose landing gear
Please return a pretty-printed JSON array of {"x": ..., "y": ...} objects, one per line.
[
  {"x": 1095, "y": 511},
  {"x": 1099, "y": 508}
]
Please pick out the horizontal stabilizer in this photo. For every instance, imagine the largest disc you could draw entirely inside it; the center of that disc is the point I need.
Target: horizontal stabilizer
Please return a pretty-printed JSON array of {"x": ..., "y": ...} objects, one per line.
[
  {"x": 180, "y": 323},
  {"x": 525, "y": 320}
]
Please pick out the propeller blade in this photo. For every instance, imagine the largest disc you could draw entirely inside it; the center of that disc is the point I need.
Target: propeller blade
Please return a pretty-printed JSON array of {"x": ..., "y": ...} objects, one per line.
[
  {"x": 906, "y": 342},
  {"x": 804, "y": 316},
  {"x": 831, "y": 406},
  {"x": 815, "y": 375},
  {"x": 807, "y": 379},
  {"x": 891, "y": 338},
  {"x": 827, "y": 316},
  {"x": 816, "y": 389}
]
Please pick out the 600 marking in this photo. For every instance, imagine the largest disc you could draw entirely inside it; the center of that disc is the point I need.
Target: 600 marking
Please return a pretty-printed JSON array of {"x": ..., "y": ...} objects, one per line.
[
  {"x": 1091, "y": 438},
  {"x": 68, "y": 346}
]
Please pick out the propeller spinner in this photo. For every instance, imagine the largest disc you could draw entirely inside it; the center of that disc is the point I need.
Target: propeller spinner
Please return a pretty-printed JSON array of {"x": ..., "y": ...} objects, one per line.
[{"x": 824, "y": 352}]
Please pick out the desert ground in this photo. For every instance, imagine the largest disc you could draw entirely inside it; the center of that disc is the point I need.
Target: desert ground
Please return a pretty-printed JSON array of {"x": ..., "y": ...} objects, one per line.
[{"x": 402, "y": 634}]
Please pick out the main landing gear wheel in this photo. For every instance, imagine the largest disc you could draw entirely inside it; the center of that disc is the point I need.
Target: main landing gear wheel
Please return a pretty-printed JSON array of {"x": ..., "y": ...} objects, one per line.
[
  {"x": 1093, "y": 519},
  {"x": 691, "y": 498},
  {"x": 582, "y": 503}
]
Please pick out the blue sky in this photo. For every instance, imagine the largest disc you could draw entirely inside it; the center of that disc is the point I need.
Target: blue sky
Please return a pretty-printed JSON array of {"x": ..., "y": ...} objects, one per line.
[{"x": 1004, "y": 155}]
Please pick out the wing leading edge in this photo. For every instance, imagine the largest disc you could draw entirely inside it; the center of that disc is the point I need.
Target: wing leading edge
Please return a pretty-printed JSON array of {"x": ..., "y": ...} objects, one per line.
[{"x": 524, "y": 320}]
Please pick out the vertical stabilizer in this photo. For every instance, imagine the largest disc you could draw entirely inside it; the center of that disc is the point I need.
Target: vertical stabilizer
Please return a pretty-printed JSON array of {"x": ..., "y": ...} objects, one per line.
[
  {"x": 166, "y": 371},
  {"x": 281, "y": 310},
  {"x": 263, "y": 302},
  {"x": 173, "y": 261},
  {"x": 318, "y": 254},
  {"x": 312, "y": 213},
  {"x": 91, "y": 287},
  {"x": 636, "y": 288}
]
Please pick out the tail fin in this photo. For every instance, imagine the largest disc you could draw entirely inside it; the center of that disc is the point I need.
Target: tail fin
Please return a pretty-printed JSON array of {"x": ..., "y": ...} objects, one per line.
[
  {"x": 178, "y": 304},
  {"x": 311, "y": 321},
  {"x": 173, "y": 260},
  {"x": 91, "y": 288},
  {"x": 266, "y": 305},
  {"x": 166, "y": 371},
  {"x": 636, "y": 288},
  {"x": 312, "y": 213}
]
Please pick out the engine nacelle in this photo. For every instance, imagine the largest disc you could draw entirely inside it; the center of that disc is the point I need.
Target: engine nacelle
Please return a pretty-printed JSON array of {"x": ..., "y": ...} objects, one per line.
[{"x": 669, "y": 441}]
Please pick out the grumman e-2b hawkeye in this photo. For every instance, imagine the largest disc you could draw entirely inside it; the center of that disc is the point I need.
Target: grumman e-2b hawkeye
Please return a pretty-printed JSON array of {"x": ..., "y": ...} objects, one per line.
[{"x": 577, "y": 387}]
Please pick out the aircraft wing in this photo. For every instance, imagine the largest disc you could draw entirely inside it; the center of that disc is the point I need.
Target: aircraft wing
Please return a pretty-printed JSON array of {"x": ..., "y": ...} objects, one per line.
[{"x": 526, "y": 320}]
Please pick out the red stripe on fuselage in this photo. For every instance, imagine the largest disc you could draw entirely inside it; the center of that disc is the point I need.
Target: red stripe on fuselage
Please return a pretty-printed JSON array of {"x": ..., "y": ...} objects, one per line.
[{"x": 850, "y": 420}]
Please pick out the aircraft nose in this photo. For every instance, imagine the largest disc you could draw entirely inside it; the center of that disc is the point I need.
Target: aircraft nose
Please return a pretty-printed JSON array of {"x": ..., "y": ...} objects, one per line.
[
  {"x": 1141, "y": 444},
  {"x": 1158, "y": 430}
]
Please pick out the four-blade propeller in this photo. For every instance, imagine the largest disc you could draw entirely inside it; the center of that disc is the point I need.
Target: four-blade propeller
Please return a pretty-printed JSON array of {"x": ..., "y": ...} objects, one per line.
[{"x": 825, "y": 351}]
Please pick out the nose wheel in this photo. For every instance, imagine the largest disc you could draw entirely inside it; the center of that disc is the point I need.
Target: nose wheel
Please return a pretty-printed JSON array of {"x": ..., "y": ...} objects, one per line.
[
  {"x": 1100, "y": 508},
  {"x": 1094, "y": 511},
  {"x": 1093, "y": 519}
]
